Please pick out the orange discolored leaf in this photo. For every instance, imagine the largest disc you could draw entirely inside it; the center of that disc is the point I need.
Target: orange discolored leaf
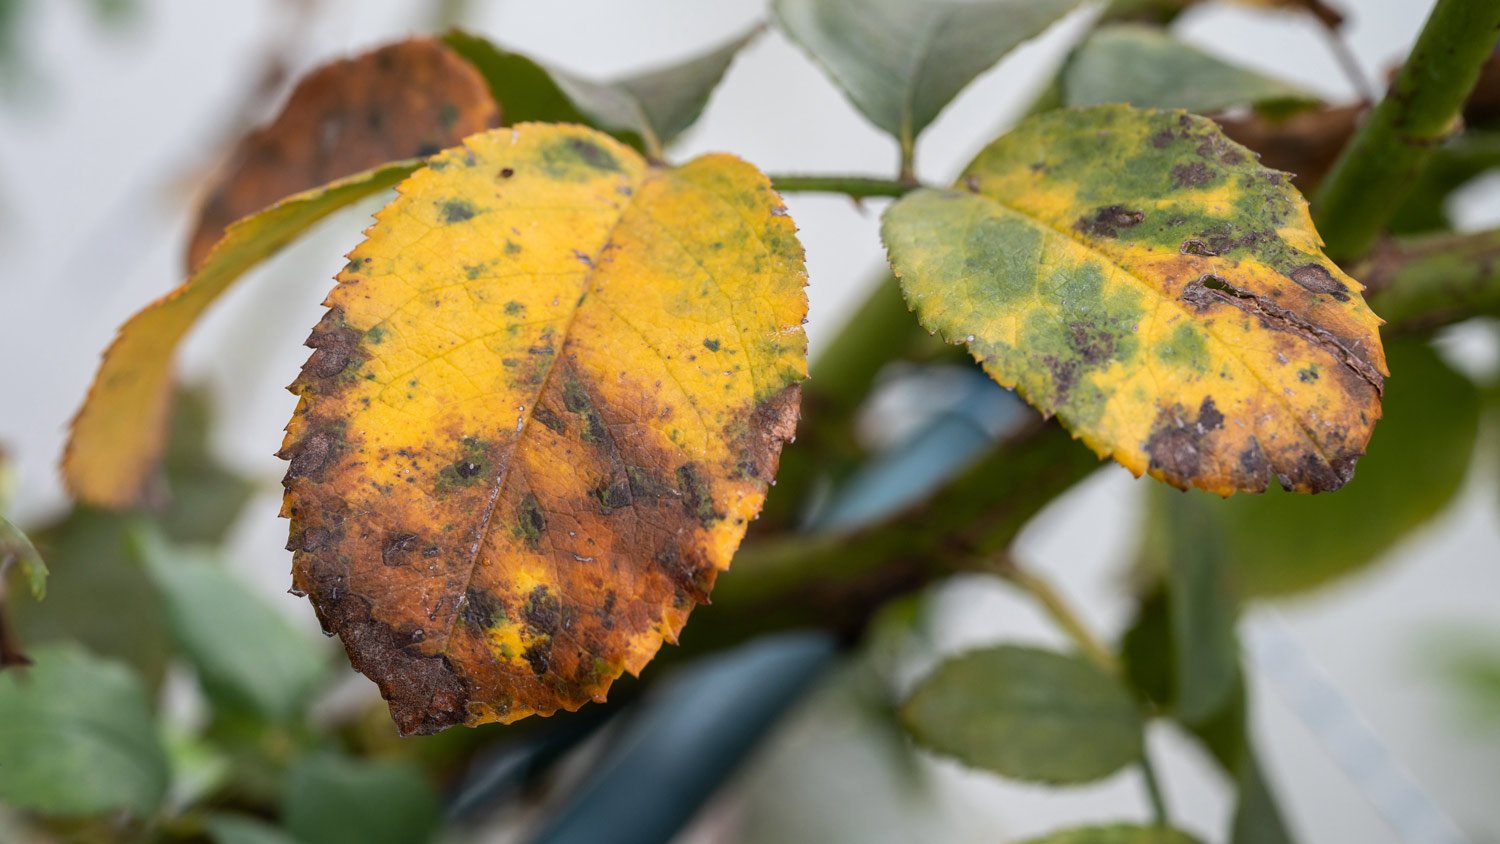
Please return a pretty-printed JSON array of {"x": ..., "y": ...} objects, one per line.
[
  {"x": 549, "y": 395},
  {"x": 404, "y": 100}
]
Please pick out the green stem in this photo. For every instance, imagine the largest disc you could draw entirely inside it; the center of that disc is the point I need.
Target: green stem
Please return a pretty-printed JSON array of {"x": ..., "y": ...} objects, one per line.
[
  {"x": 1388, "y": 152},
  {"x": 858, "y": 187},
  {"x": 1421, "y": 284},
  {"x": 1060, "y": 611},
  {"x": 1153, "y": 791}
]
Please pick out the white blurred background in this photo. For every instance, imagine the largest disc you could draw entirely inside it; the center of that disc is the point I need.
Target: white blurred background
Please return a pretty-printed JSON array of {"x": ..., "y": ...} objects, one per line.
[{"x": 107, "y": 134}]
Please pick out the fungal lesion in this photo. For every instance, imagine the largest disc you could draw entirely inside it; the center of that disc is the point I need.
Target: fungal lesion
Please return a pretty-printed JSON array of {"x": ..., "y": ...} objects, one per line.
[{"x": 470, "y": 468}]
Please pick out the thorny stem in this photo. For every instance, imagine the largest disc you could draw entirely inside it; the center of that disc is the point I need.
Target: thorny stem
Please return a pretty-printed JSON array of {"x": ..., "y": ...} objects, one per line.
[
  {"x": 1377, "y": 168},
  {"x": 1092, "y": 648},
  {"x": 857, "y": 187}
]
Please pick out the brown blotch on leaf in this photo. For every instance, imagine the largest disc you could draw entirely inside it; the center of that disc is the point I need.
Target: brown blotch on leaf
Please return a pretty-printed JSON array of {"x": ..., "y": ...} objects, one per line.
[
  {"x": 334, "y": 344},
  {"x": 403, "y": 100},
  {"x": 424, "y": 692},
  {"x": 1191, "y": 175},
  {"x": 1316, "y": 278},
  {"x": 1178, "y": 442},
  {"x": 309, "y": 455},
  {"x": 398, "y": 547},
  {"x": 1107, "y": 221},
  {"x": 772, "y": 422}
]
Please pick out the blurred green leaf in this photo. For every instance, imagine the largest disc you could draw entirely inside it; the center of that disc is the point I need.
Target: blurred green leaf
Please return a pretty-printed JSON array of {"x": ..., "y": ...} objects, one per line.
[
  {"x": 1280, "y": 543},
  {"x": 662, "y": 102},
  {"x": 1145, "y": 66},
  {"x": 16, "y": 550},
  {"x": 236, "y": 829},
  {"x": 1202, "y": 607},
  {"x": 247, "y": 655},
  {"x": 78, "y": 737},
  {"x": 97, "y": 595},
  {"x": 1117, "y": 834},
  {"x": 901, "y": 61},
  {"x": 204, "y": 496},
  {"x": 334, "y": 798},
  {"x": 1027, "y": 714},
  {"x": 198, "y": 766}
]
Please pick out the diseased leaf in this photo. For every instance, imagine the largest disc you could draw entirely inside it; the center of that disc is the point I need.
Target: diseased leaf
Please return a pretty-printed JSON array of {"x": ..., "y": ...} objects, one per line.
[
  {"x": 1117, "y": 834},
  {"x": 118, "y": 434},
  {"x": 658, "y": 103},
  {"x": 1028, "y": 714},
  {"x": 333, "y": 798},
  {"x": 1145, "y": 66},
  {"x": 404, "y": 100},
  {"x": 1137, "y": 274},
  {"x": 78, "y": 738},
  {"x": 246, "y": 655},
  {"x": 902, "y": 61},
  {"x": 1278, "y": 544},
  {"x": 549, "y": 394}
]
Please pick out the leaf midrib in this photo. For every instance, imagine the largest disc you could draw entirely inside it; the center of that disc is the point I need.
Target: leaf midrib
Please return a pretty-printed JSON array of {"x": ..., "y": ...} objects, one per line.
[{"x": 487, "y": 519}]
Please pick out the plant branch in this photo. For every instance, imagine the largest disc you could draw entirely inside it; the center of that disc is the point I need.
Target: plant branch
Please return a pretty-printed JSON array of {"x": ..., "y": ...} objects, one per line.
[
  {"x": 1421, "y": 284},
  {"x": 1378, "y": 167},
  {"x": 858, "y": 187}
]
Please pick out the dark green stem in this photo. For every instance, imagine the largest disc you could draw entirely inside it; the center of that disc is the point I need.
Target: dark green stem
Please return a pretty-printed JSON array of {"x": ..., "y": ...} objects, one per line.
[
  {"x": 858, "y": 187},
  {"x": 1421, "y": 284},
  {"x": 1379, "y": 166}
]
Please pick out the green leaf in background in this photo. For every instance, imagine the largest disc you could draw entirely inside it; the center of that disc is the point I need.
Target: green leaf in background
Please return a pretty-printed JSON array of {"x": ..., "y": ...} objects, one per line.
[
  {"x": 1116, "y": 834},
  {"x": 247, "y": 655},
  {"x": 1279, "y": 544},
  {"x": 1202, "y": 608},
  {"x": 333, "y": 798},
  {"x": 236, "y": 829},
  {"x": 1145, "y": 66},
  {"x": 77, "y": 737},
  {"x": 902, "y": 61},
  {"x": 1027, "y": 714},
  {"x": 97, "y": 595},
  {"x": 658, "y": 104}
]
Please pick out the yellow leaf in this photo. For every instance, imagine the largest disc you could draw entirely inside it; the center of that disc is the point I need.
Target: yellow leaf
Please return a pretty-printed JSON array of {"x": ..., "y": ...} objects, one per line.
[
  {"x": 1139, "y": 275},
  {"x": 118, "y": 434},
  {"x": 548, "y": 396}
]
